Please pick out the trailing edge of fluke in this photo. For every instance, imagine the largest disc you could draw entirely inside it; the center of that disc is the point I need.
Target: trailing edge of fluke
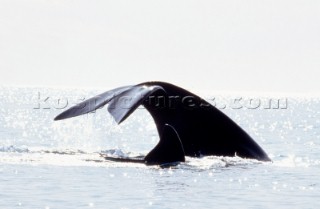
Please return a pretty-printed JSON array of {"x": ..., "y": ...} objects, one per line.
[{"x": 187, "y": 124}]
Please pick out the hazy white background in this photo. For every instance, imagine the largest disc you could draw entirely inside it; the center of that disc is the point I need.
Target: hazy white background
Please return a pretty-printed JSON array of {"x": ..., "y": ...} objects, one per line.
[{"x": 212, "y": 45}]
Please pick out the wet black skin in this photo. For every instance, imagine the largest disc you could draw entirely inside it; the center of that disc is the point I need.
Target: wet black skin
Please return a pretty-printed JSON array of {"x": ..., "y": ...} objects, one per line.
[{"x": 202, "y": 128}]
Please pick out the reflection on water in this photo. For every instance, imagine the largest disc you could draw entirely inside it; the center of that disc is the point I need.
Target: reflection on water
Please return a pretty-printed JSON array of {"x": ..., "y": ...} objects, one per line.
[{"x": 47, "y": 164}]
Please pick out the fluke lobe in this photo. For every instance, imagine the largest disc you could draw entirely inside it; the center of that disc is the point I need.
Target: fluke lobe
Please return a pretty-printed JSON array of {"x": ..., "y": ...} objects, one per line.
[{"x": 187, "y": 124}]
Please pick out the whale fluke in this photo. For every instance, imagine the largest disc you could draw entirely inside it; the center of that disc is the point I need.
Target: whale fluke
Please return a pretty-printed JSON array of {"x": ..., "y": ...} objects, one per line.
[
  {"x": 91, "y": 104},
  {"x": 181, "y": 117},
  {"x": 127, "y": 101}
]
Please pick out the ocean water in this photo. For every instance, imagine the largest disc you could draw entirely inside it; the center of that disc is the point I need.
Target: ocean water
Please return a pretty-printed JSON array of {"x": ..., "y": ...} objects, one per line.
[{"x": 57, "y": 164}]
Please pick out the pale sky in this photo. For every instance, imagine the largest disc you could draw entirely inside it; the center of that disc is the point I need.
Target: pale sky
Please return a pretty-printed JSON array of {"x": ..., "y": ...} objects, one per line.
[{"x": 271, "y": 45}]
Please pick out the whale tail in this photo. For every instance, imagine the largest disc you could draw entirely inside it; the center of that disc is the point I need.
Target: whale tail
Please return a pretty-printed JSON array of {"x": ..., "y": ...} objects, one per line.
[
  {"x": 168, "y": 150},
  {"x": 186, "y": 123}
]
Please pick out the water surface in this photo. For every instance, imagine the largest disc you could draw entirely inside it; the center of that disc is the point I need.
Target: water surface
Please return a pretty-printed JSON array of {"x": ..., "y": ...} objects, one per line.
[{"x": 47, "y": 164}]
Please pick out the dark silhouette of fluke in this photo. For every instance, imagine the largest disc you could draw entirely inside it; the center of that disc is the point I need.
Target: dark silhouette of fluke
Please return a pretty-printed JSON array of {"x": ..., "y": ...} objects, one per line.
[{"x": 187, "y": 124}]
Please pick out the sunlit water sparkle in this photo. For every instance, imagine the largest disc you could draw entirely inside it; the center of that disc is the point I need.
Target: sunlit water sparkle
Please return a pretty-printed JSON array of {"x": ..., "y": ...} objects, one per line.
[{"x": 47, "y": 164}]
